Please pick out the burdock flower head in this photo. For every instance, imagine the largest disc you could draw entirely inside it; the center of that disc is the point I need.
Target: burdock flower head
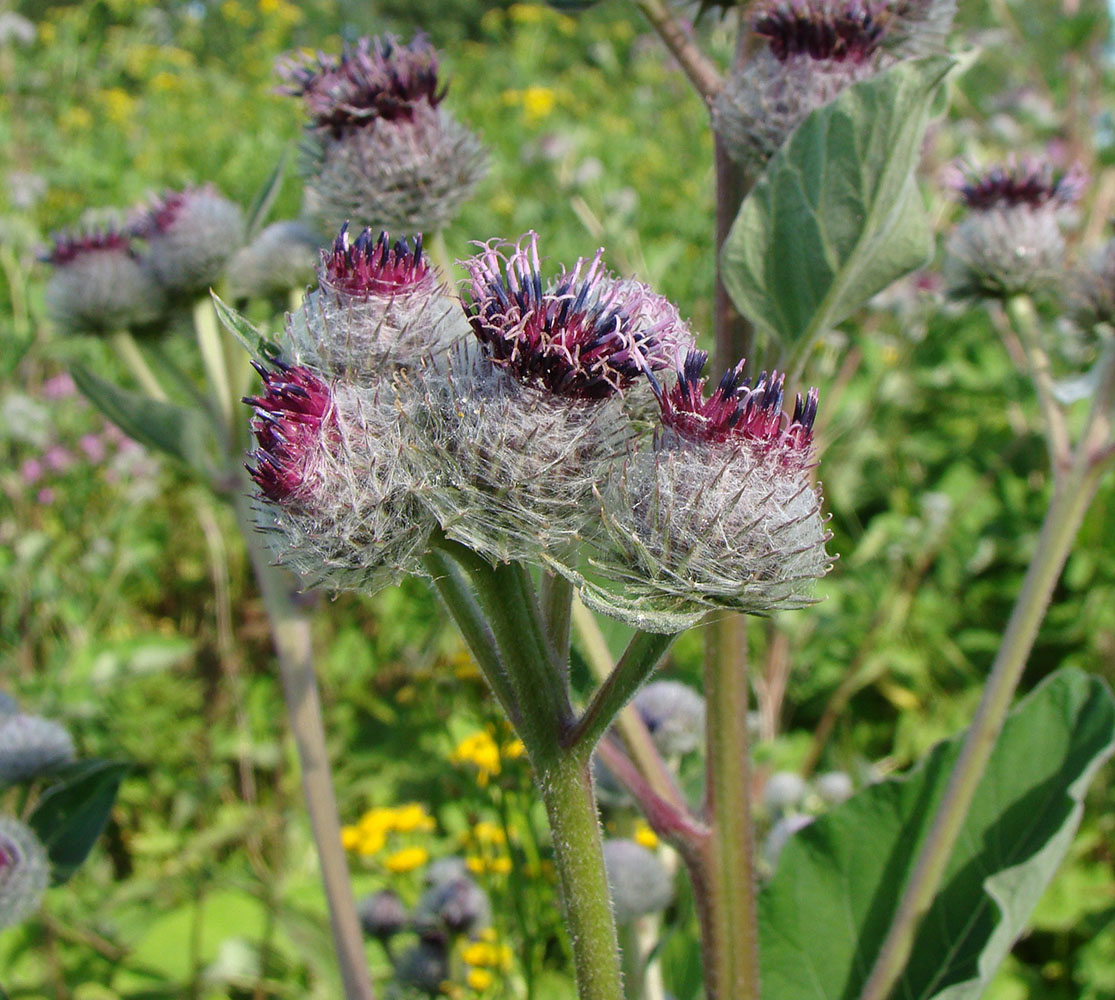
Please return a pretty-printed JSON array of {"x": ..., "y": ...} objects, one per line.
[
  {"x": 99, "y": 284},
  {"x": 380, "y": 303},
  {"x": 24, "y": 871},
  {"x": 814, "y": 49},
  {"x": 280, "y": 259},
  {"x": 381, "y": 151},
  {"x": 523, "y": 427},
  {"x": 1011, "y": 240},
  {"x": 31, "y": 746},
  {"x": 720, "y": 511},
  {"x": 1093, "y": 290},
  {"x": 190, "y": 236},
  {"x": 335, "y": 486}
]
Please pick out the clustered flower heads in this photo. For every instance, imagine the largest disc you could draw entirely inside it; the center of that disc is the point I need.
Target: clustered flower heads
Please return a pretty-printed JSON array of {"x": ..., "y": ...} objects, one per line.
[
  {"x": 814, "y": 49},
  {"x": 505, "y": 424},
  {"x": 109, "y": 275},
  {"x": 24, "y": 871},
  {"x": 380, "y": 150},
  {"x": 1011, "y": 240}
]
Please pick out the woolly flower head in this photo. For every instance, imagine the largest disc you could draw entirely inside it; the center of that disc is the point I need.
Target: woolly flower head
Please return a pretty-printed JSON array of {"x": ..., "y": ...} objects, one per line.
[
  {"x": 456, "y": 906},
  {"x": 1011, "y": 241},
  {"x": 585, "y": 334},
  {"x": 518, "y": 432},
  {"x": 382, "y": 914},
  {"x": 31, "y": 746},
  {"x": 335, "y": 485},
  {"x": 814, "y": 49},
  {"x": 99, "y": 284},
  {"x": 719, "y": 512},
  {"x": 1093, "y": 289},
  {"x": 190, "y": 236},
  {"x": 380, "y": 303},
  {"x": 24, "y": 871},
  {"x": 279, "y": 259},
  {"x": 674, "y": 714},
  {"x": 379, "y": 148},
  {"x": 637, "y": 881}
]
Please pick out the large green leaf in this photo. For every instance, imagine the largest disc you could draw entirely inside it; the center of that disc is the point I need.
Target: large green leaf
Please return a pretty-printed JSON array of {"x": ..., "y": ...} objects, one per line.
[
  {"x": 183, "y": 433},
  {"x": 836, "y": 216},
  {"x": 72, "y": 813},
  {"x": 825, "y": 912}
]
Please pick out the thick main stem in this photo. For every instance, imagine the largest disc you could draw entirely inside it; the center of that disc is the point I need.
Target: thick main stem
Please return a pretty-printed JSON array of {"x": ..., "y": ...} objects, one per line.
[
  {"x": 508, "y": 601},
  {"x": 578, "y": 853},
  {"x": 726, "y": 880},
  {"x": 1066, "y": 511},
  {"x": 291, "y": 633}
]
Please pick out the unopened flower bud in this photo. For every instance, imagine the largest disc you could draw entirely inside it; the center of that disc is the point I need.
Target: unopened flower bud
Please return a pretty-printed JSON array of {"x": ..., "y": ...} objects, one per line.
[
  {"x": 720, "y": 512},
  {"x": 674, "y": 714},
  {"x": 24, "y": 871},
  {"x": 98, "y": 284},
  {"x": 380, "y": 150},
  {"x": 834, "y": 787},
  {"x": 424, "y": 967},
  {"x": 338, "y": 490},
  {"x": 31, "y": 746},
  {"x": 1011, "y": 240},
  {"x": 783, "y": 791},
  {"x": 190, "y": 236},
  {"x": 382, "y": 915},
  {"x": 458, "y": 906},
  {"x": 380, "y": 304},
  {"x": 281, "y": 258},
  {"x": 637, "y": 881}
]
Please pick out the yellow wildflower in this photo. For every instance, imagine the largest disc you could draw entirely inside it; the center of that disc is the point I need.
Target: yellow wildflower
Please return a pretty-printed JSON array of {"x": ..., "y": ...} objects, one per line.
[
  {"x": 500, "y": 865},
  {"x": 371, "y": 842},
  {"x": 407, "y": 859},
  {"x": 526, "y": 13},
  {"x": 479, "y": 979},
  {"x": 475, "y": 864},
  {"x": 119, "y": 105},
  {"x": 538, "y": 103},
  {"x": 412, "y": 817},
  {"x": 482, "y": 752},
  {"x": 75, "y": 118},
  {"x": 350, "y": 837},
  {"x": 646, "y": 836},
  {"x": 514, "y": 750},
  {"x": 489, "y": 833}
]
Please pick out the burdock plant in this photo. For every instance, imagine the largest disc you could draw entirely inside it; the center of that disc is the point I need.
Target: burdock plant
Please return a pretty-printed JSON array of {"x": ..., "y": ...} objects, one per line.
[{"x": 550, "y": 434}]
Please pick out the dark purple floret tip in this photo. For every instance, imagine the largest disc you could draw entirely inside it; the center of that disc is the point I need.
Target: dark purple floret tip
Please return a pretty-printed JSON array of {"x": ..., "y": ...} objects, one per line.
[
  {"x": 68, "y": 245},
  {"x": 376, "y": 78},
  {"x": 373, "y": 265},
  {"x": 1026, "y": 182},
  {"x": 851, "y": 31},
  {"x": 737, "y": 410}
]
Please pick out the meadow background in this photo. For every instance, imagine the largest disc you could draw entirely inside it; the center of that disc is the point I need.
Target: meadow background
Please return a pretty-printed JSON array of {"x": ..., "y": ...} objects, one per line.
[{"x": 127, "y": 608}]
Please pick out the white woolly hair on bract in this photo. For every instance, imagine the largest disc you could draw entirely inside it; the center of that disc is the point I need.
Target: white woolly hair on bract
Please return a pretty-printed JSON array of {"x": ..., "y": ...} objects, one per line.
[
  {"x": 31, "y": 746},
  {"x": 189, "y": 255},
  {"x": 690, "y": 528},
  {"x": 408, "y": 175},
  {"x": 637, "y": 881},
  {"x": 1005, "y": 251},
  {"x": 761, "y": 103},
  {"x": 281, "y": 258},
  {"x": 369, "y": 334},
  {"x": 510, "y": 468},
  {"x": 24, "y": 871},
  {"x": 355, "y": 523}
]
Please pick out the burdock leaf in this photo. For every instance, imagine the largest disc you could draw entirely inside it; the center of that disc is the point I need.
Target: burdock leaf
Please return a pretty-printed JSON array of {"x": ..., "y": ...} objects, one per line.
[
  {"x": 71, "y": 814},
  {"x": 826, "y": 911},
  {"x": 183, "y": 433},
  {"x": 256, "y": 343},
  {"x": 836, "y": 215}
]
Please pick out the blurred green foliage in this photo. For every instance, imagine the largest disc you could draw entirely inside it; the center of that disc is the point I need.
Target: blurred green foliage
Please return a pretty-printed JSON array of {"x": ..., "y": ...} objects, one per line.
[{"x": 126, "y": 603}]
